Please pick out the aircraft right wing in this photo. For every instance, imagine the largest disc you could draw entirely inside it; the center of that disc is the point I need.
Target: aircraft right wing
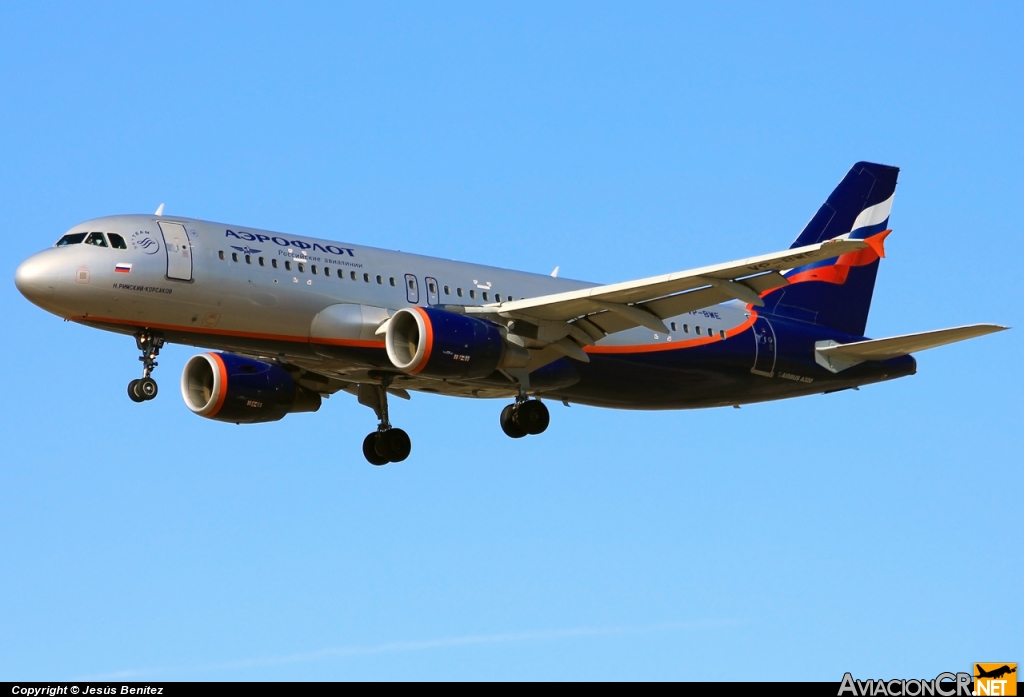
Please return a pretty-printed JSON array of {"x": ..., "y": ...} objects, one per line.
[{"x": 578, "y": 318}]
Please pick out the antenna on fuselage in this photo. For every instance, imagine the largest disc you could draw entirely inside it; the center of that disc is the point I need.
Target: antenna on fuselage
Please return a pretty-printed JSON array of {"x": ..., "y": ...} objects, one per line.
[
  {"x": 554, "y": 274},
  {"x": 160, "y": 210}
]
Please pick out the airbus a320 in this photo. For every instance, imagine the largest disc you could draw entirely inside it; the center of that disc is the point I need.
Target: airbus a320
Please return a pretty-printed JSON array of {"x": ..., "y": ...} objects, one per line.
[{"x": 292, "y": 319}]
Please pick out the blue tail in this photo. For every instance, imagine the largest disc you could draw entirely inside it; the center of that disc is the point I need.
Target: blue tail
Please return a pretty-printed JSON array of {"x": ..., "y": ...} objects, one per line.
[{"x": 837, "y": 293}]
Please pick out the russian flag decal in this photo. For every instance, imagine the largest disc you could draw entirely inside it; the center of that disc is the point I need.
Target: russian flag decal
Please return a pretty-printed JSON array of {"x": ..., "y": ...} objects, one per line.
[{"x": 123, "y": 268}]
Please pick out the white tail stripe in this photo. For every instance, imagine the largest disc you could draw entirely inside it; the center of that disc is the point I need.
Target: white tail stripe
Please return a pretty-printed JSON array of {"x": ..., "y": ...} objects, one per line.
[{"x": 874, "y": 215}]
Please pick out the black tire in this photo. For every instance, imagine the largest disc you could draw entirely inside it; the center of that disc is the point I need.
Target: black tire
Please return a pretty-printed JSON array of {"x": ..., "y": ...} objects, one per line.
[
  {"x": 533, "y": 417},
  {"x": 147, "y": 388},
  {"x": 394, "y": 444},
  {"x": 370, "y": 450},
  {"x": 508, "y": 422},
  {"x": 132, "y": 394}
]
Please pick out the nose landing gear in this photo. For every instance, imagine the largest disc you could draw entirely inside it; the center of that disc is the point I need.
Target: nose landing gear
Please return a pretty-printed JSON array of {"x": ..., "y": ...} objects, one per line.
[
  {"x": 386, "y": 444},
  {"x": 145, "y": 388}
]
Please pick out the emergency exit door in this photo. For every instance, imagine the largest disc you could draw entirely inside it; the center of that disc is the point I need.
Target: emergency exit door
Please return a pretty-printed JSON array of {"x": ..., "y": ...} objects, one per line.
[{"x": 178, "y": 250}]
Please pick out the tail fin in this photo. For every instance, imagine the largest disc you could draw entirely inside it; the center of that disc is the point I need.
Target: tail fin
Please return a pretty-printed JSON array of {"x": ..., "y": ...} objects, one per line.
[{"x": 837, "y": 293}]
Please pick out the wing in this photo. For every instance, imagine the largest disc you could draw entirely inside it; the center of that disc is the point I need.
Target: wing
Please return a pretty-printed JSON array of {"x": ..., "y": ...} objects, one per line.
[
  {"x": 569, "y": 320},
  {"x": 838, "y": 357}
]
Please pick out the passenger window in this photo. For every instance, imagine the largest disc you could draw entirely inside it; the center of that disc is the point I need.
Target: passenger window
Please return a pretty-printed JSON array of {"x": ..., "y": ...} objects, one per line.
[
  {"x": 430, "y": 286},
  {"x": 262, "y": 262},
  {"x": 686, "y": 328},
  {"x": 221, "y": 254},
  {"x": 248, "y": 259},
  {"x": 75, "y": 238},
  {"x": 116, "y": 241},
  {"x": 673, "y": 326},
  {"x": 485, "y": 295},
  {"x": 327, "y": 271},
  {"x": 412, "y": 284},
  {"x": 472, "y": 294},
  {"x": 302, "y": 267},
  {"x": 721, "y": 333},
  {"x": 273, "y": 262},
  {"x": 497, "y": 298},
  {"x": 287, "y": 266},
  {"x": 698, "y": 329},
  {"x": 234, "y": 256},
  {"x": 353, "y": 275},
  {"x": 392, "y": 282},
  {"x": 380, "y": 281},
  {"x": 96, "y": 239},
  {"x": 447, "y": 290},
  {"x": 458, "y": 292},
  {"x": 366, "y": 278},
  {"x": 312, "y": 269}
]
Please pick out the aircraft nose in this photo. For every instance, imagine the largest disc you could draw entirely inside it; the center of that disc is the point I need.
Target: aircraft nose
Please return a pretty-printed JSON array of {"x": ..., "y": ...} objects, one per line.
[{"x": 36, "y": 278}]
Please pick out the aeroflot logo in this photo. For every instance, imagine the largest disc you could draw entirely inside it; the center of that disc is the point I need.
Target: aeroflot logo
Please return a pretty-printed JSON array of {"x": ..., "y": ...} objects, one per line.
[{"x": 285, "y": 242}]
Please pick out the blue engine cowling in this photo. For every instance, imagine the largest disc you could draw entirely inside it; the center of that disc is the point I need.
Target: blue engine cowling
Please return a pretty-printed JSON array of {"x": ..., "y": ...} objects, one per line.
[
  {"x": 441, "y": 344},
  {"x": 226, "y": 387}
]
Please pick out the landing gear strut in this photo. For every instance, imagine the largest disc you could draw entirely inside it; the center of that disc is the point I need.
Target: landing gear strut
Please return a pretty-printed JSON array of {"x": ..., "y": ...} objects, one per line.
[
  {"x": 145, "y": 389},
  {"x": 386, "y": 444},
  {"x": 525, "y": 417}
]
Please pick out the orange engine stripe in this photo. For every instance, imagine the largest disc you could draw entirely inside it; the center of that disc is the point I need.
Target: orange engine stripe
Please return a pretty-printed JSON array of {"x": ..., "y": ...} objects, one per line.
[
  {"x": 428, "y": 339},
  {"x": 223, "y": 385}
]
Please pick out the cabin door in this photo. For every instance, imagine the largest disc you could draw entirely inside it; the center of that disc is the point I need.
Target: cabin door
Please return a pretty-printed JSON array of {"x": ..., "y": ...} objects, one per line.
[
  {"x": 178, "y": 249},
  {"x": 764, "y": 346}
]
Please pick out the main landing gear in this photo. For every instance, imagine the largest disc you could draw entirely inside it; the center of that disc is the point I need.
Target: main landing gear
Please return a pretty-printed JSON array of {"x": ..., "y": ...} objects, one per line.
[
  {"x": 145, "y": 389},
  {"x": 524, "y": 417},
  {"x": 386, "y": 444}
]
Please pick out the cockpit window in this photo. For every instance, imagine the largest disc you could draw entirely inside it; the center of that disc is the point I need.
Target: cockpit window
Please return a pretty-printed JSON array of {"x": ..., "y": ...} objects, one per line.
[
  {"x": 116, "y": 241},
  {"x": 73, "y": 238},
  {"x": 97, "y": 239}
]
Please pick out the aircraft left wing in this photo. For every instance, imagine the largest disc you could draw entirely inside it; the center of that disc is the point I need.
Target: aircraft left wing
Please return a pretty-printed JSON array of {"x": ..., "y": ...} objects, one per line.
[
  {"x": 837, "y": 357},
  {"x": 588, "y": 314}
]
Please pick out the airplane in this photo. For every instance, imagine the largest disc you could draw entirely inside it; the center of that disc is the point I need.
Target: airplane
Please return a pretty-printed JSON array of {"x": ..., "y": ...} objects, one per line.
[
  {"x": 995, "y": 673},
  {"x": 290, "y": 320}
]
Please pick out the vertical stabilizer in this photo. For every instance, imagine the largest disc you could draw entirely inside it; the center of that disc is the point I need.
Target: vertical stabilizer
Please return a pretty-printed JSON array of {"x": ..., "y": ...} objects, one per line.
[{"x": 837, "y": 293}]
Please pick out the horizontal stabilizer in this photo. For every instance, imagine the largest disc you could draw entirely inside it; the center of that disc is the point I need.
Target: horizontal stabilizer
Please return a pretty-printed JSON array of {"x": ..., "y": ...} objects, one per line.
[{"x": 836, "y": 357}]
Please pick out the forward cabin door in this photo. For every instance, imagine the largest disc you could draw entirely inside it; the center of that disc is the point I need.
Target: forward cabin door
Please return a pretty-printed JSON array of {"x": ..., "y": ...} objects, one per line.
[
  {"x": 764, "y": 346},
  {"x": 178, "y": 249}
]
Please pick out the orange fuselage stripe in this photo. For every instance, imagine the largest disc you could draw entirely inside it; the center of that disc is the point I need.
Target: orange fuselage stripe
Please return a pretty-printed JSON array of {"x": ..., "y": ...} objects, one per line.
[{"x": 361, "y": 343}]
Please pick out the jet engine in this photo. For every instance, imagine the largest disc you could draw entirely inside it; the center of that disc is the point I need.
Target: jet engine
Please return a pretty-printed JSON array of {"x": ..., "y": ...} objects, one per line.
[
  {"x": 226, "y": 387},
  {"x": 441, "y": 344}
]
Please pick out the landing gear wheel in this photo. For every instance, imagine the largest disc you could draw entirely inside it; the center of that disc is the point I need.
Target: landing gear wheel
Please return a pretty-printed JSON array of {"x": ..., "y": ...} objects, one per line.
[
  {"x": 370, "y": 450},
  {"x": 394, "y": 444},
  {"x": 146, "y": 388},
  {"x": 532, "y": 416},
  {"x": 386, "y": 444},
  {"x": 508, "y": 422},
  {"x": 133, "y": 394}
]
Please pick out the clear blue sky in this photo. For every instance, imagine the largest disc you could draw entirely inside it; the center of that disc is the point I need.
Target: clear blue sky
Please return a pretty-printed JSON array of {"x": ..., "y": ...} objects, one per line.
[{"x": 875, "y": 531}]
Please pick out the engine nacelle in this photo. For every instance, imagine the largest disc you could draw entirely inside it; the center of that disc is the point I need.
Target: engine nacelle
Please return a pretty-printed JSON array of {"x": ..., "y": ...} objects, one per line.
[
  {"x": 226, "y": 387},
  {"x": 441, "y": 344}
]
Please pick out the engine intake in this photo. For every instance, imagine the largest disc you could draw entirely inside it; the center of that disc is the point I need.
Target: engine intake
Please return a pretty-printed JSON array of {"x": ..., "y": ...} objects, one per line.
[
  {"x": 226, "y": 387},
  {"x": 442, "y": 344}
]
